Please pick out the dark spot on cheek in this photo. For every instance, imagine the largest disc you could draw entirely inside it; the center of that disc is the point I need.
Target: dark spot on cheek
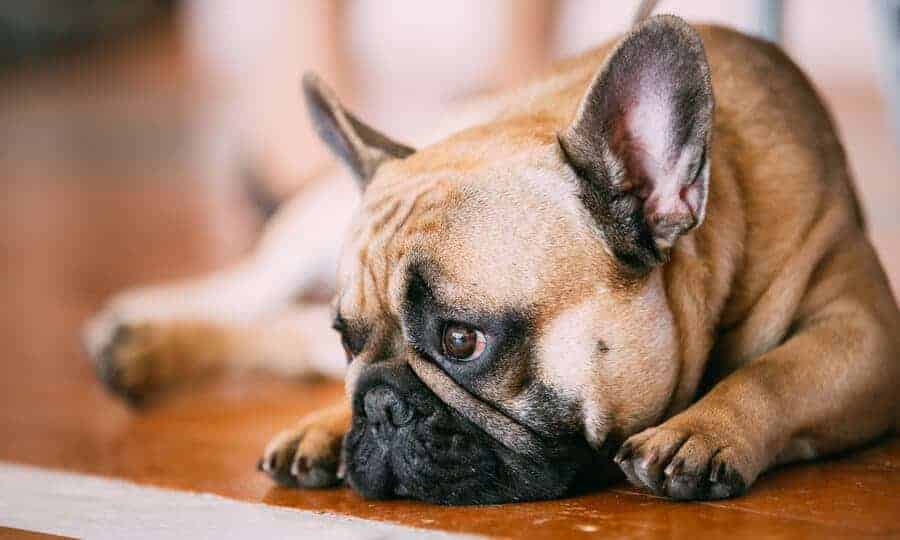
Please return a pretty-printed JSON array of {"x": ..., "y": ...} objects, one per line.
[{"x": 602, "y": 347}]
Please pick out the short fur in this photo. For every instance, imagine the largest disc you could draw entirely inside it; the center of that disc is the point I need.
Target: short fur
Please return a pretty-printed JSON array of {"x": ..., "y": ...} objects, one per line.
[{"x": 699, "y": 298}]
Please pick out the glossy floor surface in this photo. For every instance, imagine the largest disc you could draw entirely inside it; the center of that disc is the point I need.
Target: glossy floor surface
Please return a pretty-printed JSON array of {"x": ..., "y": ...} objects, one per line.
[{"x": 82, "y": 215}]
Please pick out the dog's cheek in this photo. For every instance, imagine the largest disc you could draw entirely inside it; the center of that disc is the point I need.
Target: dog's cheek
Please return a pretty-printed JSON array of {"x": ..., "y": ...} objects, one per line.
[
  {"x": 616, "y": 354},
  {"x": 639, "y": 373},
  {"x": 570, "y": 356},
  {"x": 568, "y": 348}
]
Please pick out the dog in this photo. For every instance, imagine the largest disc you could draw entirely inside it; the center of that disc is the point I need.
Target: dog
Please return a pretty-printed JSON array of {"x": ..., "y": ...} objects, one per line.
[{"x": 650, "y": 260}]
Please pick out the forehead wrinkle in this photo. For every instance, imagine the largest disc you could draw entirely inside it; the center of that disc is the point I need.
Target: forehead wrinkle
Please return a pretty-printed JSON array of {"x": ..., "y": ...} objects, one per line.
[
  {"x": 406, "y": 212},
  {"x": 403, "y": 206},
  {"x": 381, "y": 245},
  {"x": 411, "y": 226},
  {"x": 368, "y": 273},
  {"x": 402, "y": 220},
  {"x": 392, "y": 205}
]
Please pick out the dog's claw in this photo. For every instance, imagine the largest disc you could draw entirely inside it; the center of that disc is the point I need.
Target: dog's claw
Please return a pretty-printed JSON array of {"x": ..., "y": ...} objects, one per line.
[
  {"x": 289, "y": 464},
  {"x": 623, "y": 453},
  {"x": 674, "y": 466},
  {"x": 111, "y": 372},
  {"x": 680, "y": 465},
  {"x": 717, "y": 472}
]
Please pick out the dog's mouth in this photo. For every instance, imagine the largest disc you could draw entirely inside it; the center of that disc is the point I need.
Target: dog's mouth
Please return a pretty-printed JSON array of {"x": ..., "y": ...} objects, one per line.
[{"x": 405, "y": 442}]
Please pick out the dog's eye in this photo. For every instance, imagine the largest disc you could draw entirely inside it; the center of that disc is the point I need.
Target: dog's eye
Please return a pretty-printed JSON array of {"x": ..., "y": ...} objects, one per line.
[{"x": 462, "y": 342}]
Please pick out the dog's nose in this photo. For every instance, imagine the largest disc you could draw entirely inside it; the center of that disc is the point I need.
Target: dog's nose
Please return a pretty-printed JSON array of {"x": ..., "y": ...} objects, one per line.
[{"x": 384, "y": 406}]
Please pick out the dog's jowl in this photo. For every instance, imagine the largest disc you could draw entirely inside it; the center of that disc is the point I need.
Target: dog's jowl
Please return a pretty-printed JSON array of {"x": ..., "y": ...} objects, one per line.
[{"x": 650, "y": 260}]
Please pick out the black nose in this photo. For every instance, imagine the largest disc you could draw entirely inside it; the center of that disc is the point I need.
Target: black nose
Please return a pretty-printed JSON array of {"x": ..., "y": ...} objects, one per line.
[{"x": 384, "y": 406}]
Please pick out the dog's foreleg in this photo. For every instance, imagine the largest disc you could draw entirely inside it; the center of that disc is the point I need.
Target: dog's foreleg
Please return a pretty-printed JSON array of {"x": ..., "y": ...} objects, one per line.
[
  {"x": 831, "y": 385},
  {"x": 144, "y": 359},
  {"x": 298, "y": 249},
  {"x": 150, "y": 338}
]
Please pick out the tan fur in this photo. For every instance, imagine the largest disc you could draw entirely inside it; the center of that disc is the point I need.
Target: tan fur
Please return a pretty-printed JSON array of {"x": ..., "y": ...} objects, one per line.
[
  {"x": 777, "y": 300},
  {"x": 766, "y": 290},
  {"x": 143, "y": 359}
]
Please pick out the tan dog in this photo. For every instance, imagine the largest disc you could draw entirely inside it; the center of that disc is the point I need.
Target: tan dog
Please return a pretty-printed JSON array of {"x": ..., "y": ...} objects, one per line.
[{"x": 654, "y": 251}]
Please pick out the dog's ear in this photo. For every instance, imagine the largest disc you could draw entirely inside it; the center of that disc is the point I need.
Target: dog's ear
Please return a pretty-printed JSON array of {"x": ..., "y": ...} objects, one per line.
[
  {"x": 640, "y": 140},
  {"x": 359, "y": 146}
]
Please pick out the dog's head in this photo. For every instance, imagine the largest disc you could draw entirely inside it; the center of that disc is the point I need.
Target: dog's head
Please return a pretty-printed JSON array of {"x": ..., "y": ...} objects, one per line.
[{"x": 500, "y": 294}]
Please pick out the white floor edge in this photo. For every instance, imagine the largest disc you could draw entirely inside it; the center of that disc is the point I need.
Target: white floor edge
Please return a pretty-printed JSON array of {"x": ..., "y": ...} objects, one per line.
[{"x": 85, "y": 506}]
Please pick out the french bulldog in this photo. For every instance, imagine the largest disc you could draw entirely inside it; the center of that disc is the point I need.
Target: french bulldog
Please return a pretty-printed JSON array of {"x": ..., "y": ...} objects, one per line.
[{"x": 651, "y": 257}]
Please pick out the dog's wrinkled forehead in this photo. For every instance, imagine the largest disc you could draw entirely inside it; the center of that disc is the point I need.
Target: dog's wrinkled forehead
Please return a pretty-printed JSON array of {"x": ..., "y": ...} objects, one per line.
[
  {"x": 502, "y": 231},
  {"x": 501, "y": 245}
]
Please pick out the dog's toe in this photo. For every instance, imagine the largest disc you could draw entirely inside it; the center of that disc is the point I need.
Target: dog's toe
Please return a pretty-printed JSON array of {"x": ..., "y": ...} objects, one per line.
[
  {"x": 724, "y": 479},
  {"x": 304, "y": 457},
  {"x": 119, "y": 367},
  {"x": 320, "y": 473},
  {"x": 278, "y": 459},
  {"x": 681, "y": 465}
]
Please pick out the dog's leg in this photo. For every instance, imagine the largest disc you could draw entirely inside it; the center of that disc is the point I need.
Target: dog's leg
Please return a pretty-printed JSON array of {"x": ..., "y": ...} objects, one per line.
[
  {"x": 831, "y": 385},
  {"x": 298, "y": 250},
  {"x": 309, "y": 453},
  {"x": 144, "y": 359}
]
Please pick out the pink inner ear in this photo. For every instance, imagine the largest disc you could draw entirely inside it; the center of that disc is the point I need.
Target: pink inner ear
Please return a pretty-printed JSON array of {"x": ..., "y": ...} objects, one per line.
[
  {"x": 655, "y": 169},
  {"x": 648, "y": 122}
]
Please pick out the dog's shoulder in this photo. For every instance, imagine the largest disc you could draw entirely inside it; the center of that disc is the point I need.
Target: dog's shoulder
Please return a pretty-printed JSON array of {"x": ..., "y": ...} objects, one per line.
[{"x": 781, "y": 196}]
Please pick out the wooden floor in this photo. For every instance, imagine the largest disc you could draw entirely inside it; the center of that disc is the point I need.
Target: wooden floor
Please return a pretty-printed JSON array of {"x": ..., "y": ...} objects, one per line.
[
  {"x": 7, "y": 533},
  {"x": 83, "y": 214}
]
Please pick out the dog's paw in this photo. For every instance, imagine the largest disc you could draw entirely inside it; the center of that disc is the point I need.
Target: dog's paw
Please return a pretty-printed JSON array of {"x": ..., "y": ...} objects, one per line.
[
  {"x": 137, "y": 359},
  {"x": 683, "y": 464},
  {"x": 98, "y": 332},
  {"x": 130, "y": 362},
  {"x": 107, "y": 340},
  {"x": 306, "y": 456}
]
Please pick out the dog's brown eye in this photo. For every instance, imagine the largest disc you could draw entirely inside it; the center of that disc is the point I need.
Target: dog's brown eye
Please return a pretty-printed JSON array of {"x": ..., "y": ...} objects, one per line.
[{"x": 462, "y": 342}]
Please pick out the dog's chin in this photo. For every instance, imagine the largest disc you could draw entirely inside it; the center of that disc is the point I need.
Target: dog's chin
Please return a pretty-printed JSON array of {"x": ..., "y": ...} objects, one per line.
[{"x": 434, "y": 454}]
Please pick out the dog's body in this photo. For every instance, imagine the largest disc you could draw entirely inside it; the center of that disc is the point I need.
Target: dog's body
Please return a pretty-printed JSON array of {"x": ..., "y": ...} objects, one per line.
[{"x": 606, "y": 300}]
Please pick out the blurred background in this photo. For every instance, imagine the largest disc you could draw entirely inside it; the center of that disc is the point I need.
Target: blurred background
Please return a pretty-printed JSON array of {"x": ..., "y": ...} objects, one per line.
[{"x": 128, "y": 129}]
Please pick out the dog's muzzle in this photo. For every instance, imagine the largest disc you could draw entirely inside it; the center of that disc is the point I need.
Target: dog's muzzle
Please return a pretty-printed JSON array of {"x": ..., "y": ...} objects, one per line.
[{"x": 405, "y": 442}]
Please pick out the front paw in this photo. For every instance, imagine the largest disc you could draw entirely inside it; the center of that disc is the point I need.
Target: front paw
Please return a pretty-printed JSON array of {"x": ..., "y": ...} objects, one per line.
[
  {"x": 307, "y": 456},
  {"x": 127, "y": 362},
  {"x": 684, "y": 464},
  {"x": 107, "y": 341}
]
